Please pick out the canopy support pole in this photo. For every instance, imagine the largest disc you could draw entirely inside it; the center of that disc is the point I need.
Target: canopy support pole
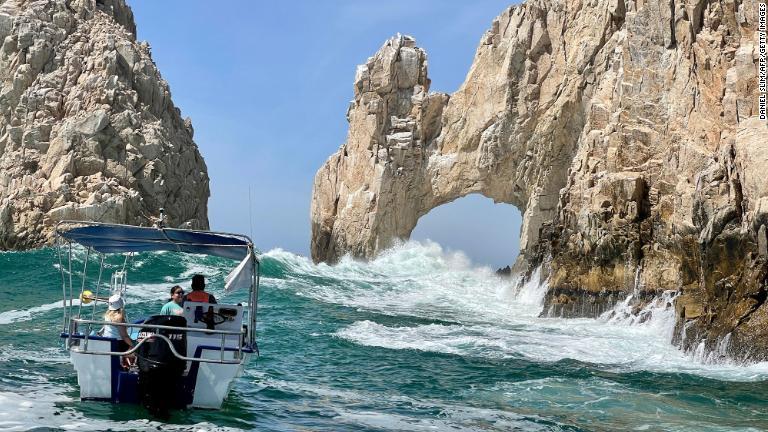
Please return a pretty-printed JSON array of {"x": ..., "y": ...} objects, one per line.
[
  {"x": 255, "y": 299},
  {"x": 63, "y": 285},
  {"x": 69, "y": 309},
  {"x": 85, "y": 277},
  {"x": 98, "y": 286}
]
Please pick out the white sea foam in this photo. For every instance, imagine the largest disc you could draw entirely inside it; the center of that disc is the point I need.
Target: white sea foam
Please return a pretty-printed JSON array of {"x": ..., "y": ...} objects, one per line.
[
  {"x": 39, "y": 355},
  {"x": 415, "y": 279},
  {"x": 480, "y": 314},
  {"x": 35, "y": 408},
  {"x": 458, "y": 419},
  {"x": 18, "y": 315},
  {"x": 200, "y": 264},
  {"x": 138, "y": 293}
]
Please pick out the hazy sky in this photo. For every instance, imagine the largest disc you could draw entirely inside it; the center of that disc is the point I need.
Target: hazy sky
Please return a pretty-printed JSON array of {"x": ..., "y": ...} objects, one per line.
[{"x": 267, "y": 85}]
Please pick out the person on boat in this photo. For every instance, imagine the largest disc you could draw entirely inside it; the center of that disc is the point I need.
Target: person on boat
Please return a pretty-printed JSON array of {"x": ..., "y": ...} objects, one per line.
[
  {"x": 116, "y": 314},
  {"x": 173, "y": 307},
  {"x": 198, "y": 293}
]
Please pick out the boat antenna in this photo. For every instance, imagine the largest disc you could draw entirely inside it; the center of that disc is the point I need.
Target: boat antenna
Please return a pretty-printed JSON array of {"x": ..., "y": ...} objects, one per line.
[{"x": 250, "y": 211}]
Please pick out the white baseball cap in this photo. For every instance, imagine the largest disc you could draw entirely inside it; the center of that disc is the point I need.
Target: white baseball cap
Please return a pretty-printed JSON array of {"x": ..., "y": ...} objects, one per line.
[{"x": 116, "y": 302}]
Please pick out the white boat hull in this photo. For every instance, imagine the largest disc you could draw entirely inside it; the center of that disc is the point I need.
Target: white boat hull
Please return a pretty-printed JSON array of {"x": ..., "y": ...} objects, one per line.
[{"x": 202, "y": 384}]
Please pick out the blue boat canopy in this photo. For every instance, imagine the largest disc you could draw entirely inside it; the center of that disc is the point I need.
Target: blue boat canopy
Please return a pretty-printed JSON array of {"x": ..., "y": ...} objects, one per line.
[{"x": 125, "y": 238}]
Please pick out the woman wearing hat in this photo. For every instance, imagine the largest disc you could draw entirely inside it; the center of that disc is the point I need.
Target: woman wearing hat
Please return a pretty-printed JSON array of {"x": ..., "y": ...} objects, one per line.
[{"x": 116, "y": 314}]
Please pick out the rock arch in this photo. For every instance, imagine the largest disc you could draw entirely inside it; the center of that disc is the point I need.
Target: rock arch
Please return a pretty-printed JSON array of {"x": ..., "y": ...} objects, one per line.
[
  {"x": 502, "y": 135},
  {"x": 627, "y": 133}
]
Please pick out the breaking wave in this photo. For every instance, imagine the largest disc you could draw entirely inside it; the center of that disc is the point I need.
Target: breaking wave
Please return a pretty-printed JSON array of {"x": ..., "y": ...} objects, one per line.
[{"x": 476, "y": 313}]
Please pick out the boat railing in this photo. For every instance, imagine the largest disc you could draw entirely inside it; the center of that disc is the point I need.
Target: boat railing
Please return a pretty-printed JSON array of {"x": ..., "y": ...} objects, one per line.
[{"x": 84, "y": 336}]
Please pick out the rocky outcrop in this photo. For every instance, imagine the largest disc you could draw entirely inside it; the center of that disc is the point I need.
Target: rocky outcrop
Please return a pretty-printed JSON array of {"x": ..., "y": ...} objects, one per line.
[
  {"x": 88, "y": 130},
  {"x": 627, "y": 134}
]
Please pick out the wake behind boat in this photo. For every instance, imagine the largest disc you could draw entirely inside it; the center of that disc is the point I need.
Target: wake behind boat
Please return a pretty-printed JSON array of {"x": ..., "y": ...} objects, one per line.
[{"x": 187, "y": 360}]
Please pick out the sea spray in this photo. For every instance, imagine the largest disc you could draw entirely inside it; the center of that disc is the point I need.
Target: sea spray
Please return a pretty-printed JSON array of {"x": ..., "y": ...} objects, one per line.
[
  {"x": 478, "y": 314},
  {"x": 659, "y": 314},
  {"x": 532, "y": 291}
]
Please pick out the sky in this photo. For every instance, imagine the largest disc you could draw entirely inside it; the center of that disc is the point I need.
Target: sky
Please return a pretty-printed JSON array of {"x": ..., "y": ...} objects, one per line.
[{"x": 267, "y": 85}]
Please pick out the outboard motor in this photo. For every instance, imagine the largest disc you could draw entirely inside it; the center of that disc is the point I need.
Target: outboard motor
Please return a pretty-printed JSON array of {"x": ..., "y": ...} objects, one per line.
[{"x": 160, "y": 371}]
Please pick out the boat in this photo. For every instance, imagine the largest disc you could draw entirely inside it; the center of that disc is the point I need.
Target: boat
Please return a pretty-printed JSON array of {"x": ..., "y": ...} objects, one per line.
[{"x": 188, "y": 360}]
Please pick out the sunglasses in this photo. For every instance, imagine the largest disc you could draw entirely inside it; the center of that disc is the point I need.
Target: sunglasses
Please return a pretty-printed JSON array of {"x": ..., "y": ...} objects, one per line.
[{"x": 179, "y": 292}]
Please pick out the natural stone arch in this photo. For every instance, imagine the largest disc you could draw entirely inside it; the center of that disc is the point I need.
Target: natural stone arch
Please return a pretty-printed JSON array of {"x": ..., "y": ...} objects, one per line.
[
  {"x": 631, "y": 126},
  {"x": 409, "y": 151}
]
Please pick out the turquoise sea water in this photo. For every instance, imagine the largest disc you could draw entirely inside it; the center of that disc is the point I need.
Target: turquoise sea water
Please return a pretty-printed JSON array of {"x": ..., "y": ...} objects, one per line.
[{"x": 419, "y": 339}]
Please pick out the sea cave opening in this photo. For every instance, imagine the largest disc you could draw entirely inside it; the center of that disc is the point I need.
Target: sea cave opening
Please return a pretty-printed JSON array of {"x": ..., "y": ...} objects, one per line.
[{"x": 487, "y": 232}]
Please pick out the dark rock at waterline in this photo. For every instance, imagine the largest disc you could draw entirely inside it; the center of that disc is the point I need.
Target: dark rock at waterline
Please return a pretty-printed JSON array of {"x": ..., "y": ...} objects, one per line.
[{"x": 504, "y": 271}]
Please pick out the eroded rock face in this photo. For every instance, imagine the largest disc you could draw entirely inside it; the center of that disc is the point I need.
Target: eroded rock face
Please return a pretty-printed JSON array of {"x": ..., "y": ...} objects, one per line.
[
  {"x": 88, "y": 130},
  {"x": 625, "y": 131}
]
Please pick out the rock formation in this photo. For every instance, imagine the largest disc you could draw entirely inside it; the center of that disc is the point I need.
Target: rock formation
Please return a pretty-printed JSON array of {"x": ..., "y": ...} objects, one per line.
[
  {"x": 625, "y": 131},
  {"x": 88, "y": 130}
]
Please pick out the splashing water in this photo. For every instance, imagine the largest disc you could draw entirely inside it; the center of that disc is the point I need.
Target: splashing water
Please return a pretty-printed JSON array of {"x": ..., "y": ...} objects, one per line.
[{"x": 417, "y": 339}]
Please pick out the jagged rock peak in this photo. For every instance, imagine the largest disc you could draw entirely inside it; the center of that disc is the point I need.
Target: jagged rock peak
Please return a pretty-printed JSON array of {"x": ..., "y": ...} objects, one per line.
[
  {"x": 399, "y": 64},
  {"x": 625, "y": 131},
  {"x": 392, "y": 118},
  {"x": 88, "y": 130}
]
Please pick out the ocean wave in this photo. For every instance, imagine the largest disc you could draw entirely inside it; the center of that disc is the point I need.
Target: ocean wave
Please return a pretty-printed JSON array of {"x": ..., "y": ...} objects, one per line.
[
  {"x": 47, "y": 409},
  {"x": 624, "y": 406},
  {"x": 497, "y": 317},
  {"x": 37, "y": 355},
  {"x": 19, "y": 315},
  {"x": 137, "y": 294},
  {"x": 349, "y": 408},
  {"x": 619, "y": 348},
  {"x": 414, "y": 279},
  {"x": 450, "y": 419}
]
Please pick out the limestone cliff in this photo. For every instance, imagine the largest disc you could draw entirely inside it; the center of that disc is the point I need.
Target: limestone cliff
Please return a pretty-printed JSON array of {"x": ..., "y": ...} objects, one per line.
[
  {"x": 87, "y": 126},
  {"x": 625, "y": 131}
]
